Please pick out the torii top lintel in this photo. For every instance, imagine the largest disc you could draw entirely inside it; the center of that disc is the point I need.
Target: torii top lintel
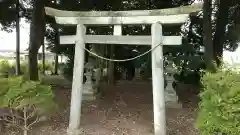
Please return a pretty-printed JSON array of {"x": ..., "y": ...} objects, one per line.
[{"x": 176, "y": 15}]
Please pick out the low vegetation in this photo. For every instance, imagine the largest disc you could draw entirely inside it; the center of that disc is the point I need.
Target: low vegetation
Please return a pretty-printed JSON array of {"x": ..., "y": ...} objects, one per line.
[
  {"x": 24, "y": 102},
  {"x": 8, "y": 69},
  {"x": 219, "y": 108}
]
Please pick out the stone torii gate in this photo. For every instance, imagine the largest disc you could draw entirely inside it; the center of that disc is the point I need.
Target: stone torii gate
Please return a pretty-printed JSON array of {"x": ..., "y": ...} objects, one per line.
[{"x": 173, "y": 16}]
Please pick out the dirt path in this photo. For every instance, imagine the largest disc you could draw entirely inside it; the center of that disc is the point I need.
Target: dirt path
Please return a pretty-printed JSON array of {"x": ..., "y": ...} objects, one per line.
[{"x": 125, "y": 110}]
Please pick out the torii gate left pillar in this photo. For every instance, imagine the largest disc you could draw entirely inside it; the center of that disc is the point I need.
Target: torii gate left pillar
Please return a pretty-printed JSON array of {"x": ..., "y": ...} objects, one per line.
[{"x": 77, "y": 84}]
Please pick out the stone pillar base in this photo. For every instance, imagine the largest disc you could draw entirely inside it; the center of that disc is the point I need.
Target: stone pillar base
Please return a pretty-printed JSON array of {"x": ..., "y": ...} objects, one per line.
[
  {"x": 87, "y": 97},
  {"x": 137, "y": 75},
  {"x": 173, "y": 105},
  {"x": 171, "y": 97},
  {"x": 88, "y": 93},
  {"x": 171, "y": 100},
  {"x": 74, "y": 132}
]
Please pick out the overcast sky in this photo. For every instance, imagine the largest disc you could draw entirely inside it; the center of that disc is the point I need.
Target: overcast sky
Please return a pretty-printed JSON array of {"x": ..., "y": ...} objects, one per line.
[{"x": 8, "y": 40}]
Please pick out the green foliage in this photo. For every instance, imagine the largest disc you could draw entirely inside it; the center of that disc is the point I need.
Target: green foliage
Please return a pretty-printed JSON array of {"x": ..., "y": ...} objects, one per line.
[
  {"x": 4, "y": 67},
  {"x": 18, "y": 93},
  {"x": 4, "y": 88},
  {"x": 9, "y": 69},
  {"x": 29, "y": 101},
  {"x": 219, "y": 111},
  {"x": 7, "y": 16},
  {"x": 189, "y": 77},
  {"x": 68, "y": 69},
  {"x": 48, "y": 66},
  {"x": 121, "y": 52},
  {"x": 23, "y": 66}
]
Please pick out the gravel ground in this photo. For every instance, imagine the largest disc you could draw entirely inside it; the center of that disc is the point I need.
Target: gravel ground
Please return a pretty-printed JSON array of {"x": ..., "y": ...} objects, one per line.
[{"x": 125, "y": 110}]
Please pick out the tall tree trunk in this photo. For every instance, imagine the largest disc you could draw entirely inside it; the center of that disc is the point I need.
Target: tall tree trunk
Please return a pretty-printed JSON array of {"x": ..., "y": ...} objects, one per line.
[
  {"x": 37, "y": 31},
  {"x": 207, "y": 36},
  {"x": 43, "y": 46},
  {"x": 17, "y": 38},
  {"x": 43, "y": 59},
  {"x": 111, "y": 66},
  {"x": 56, "y": 64},
  {"x": 219, "y": 37},
  {"x": 56, "y": 50}
]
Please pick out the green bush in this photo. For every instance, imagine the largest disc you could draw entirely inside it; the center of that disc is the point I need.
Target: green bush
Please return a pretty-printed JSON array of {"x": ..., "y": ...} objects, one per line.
[
  {"x": 48, "y": 67},
  {"x": 31, "y": 98},
  {"x": 4, "y": 67},
  {"x": 219, "y": 108},
  {"x": 68, "y": 69},
  {"x": 23, "y": 66}
]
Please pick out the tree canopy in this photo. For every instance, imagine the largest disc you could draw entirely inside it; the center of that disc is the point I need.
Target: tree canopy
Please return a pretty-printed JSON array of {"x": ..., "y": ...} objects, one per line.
[{"x": 189, "y": 56}]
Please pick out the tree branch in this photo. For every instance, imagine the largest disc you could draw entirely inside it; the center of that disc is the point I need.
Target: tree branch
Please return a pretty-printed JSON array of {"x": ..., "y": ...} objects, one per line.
[{"x": 34, "y": 122}]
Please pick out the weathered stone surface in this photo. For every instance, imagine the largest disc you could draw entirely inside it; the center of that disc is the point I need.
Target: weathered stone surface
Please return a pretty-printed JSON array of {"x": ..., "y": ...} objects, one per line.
[
  {"x": 171, "y": 97},
  {"x": 90, "y": 86},
  {"x": 137, "y": 74}
]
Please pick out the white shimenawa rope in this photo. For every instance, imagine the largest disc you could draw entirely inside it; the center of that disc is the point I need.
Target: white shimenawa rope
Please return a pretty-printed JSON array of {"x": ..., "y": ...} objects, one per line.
[{"x": 123, "y": 60}]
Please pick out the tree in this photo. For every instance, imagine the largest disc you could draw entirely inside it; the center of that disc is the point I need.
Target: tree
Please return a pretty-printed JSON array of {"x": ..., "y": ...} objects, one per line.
[
  {"x": 139, "y": 4},
  {"x": 193, "y": 31},
  {"x": 207, "y": 39},
  {"x": 221, "y": 25},
  {"x": 37, "y": 28},
  {"x": 15, "y": 10},
  {"x": 17, "y": 38},
  {"x": 218, "y": 30},
  {"x": 37, "y": 32},
  {"x": 7, "y": 20},
  {"x": 113, "y": 5}
]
